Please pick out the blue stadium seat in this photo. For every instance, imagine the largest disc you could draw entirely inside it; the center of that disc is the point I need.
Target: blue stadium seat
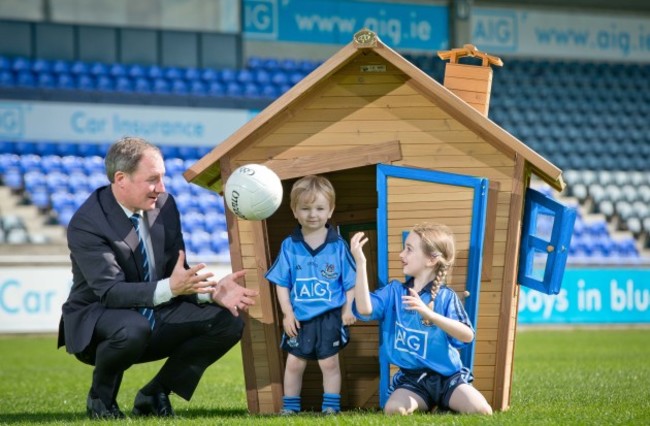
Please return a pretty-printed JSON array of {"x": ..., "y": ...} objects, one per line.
[
  {"x": 254, "y": 62},
  {"x": 45, "y": 80},
  {"x": 198, "y": 88},
  {"x": 142, "y": 85},
  {"x": 57, "y": 182},
  {"x": 30, "y": 162},
  {"x": 251, "y": 90},
  {"x": 51, "y": 163},
  {"x": 173, "y": 73},
  {"x": 136, "y": 71},
  {"x": 60, "y": 66},
  {"x": 78, "y": 68},
  {"x": 20, "y": 64},
  {"x": 25, "y": 79},
  {"x": 98, "y": 69},
  {"x": 41, "y": 66},
  {"x": 123, "y": 84},
  {"x": 261, "y": 76},
  {"x": 34, "y": 179},
  {"x": 244, "y": 76},
  {"x": 216, "y": 89},
  {"x": 5, "y": 63},
  {"x": 65, "y": 81},
  {"x": 191, "y": 220},
  {"x": 6, "y": 79},
  {"x": 192, "y": 73},
  {"x": 97, "y": 179},
  {"x": 174, "y": 166},
  {"x": 85, "y": 82},
  {"x": 13, "y": 178},
  {"x": 161, "y": 86},
  {"x": 117, "y": 70},
  {"x": 234, "y": 89},
  {"x": 9, "y": 160},
  {"x": 40, "y": 197},
  {"x": 179, "y": 87},
  {"x": 105, "y": 83},
  {"x": 92, "y": 164},
  {"x": 209, "y": 75},
  {"x": 227, "y": 75}
]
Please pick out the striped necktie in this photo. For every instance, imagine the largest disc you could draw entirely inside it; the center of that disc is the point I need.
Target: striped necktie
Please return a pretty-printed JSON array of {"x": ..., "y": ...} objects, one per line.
[{"x": 135, "y": 219}]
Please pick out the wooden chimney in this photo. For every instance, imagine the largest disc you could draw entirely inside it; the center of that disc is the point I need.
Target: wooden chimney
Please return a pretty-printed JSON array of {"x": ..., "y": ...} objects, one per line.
[{"x": 471, "y": 83}]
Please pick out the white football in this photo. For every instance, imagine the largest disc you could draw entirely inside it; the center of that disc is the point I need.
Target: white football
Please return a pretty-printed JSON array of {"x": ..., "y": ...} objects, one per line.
[{"x": 253, "y": 192}]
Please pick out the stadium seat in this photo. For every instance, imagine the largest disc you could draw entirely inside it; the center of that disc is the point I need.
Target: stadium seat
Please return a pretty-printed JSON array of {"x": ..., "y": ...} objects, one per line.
[
  {"x": 179, "y": 87},
  {"x": 25, "y": 79},
  {"x": 98, "y": 69},
  {"x": 6, "y": 79},
  {"x": 41, "y": 66},
  {"x": 65, "y": 81},
  {"x": 45, "y": 80}
]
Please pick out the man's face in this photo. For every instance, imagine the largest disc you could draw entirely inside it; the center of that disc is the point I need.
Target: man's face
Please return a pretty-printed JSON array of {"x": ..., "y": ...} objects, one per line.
[{"x": 140, "y": 190}]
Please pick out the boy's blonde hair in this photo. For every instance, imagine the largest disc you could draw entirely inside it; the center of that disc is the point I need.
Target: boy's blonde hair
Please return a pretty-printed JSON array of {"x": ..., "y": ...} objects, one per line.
[
  {"x": 437, "y": 241},
  {"x": 307, "y": 188}
]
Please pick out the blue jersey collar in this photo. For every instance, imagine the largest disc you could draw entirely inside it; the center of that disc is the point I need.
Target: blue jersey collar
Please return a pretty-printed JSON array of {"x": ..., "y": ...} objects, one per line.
[
  {"x": 411, "y": 282},
  {"x": 331, "y": 237}
]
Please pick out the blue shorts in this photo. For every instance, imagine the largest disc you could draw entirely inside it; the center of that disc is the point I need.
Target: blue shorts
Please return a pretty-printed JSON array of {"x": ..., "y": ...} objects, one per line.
[
  {"x": 318, "y": 338},
  {"x": 434, "y": 388}
]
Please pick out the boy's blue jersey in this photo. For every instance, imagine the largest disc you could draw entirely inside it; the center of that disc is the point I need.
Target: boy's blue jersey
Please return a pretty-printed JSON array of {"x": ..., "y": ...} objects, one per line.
[
  {"x": 410, "y": 344},
  {"x": 317, "y": 279}
]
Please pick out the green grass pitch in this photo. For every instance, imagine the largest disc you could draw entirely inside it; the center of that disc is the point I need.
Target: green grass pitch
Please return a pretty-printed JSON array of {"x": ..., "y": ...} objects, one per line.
[{"x": 561, "y": 377}]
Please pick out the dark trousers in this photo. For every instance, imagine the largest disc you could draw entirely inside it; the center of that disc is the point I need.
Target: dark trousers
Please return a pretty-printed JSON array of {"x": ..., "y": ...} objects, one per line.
[{"x": 192, "y": 337}]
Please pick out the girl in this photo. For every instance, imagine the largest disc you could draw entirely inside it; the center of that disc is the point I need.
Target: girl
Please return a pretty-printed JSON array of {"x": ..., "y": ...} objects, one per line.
[{"x": 424, "y": 324}]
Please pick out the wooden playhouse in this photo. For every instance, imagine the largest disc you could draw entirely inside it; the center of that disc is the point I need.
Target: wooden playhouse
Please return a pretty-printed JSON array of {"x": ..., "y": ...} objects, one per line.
[{"x": 400, "y": 148}]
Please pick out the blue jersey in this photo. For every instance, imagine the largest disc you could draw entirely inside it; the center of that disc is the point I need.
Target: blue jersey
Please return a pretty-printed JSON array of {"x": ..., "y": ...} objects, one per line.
[
  {"x": 317, "y": 279},
  {"x": 409, "y": 343}
]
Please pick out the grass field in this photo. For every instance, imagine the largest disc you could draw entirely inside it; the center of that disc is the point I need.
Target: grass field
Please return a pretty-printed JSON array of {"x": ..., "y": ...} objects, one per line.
[{"x": 561, "y": 377}]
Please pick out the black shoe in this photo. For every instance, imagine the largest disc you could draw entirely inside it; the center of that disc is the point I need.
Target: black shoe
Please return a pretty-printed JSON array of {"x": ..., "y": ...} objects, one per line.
[
  {"x": 154, "y": 405},
  {"x": 97, "y": 410}
]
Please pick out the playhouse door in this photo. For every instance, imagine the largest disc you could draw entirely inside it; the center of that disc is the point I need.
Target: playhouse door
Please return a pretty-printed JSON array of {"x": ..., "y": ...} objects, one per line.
[{"x": 407, "y": 196}]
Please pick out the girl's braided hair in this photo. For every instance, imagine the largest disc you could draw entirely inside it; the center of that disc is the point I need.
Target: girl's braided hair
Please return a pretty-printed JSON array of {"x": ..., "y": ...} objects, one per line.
[{"x": 437, "y": 241}]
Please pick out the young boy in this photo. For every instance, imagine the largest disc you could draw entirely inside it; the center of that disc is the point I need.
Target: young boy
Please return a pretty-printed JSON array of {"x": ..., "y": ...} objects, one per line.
[{"x": 314, "y": 276}]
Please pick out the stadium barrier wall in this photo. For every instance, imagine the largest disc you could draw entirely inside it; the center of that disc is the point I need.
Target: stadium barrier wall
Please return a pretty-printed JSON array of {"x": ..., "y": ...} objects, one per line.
[{"x": 31, "y": 298}]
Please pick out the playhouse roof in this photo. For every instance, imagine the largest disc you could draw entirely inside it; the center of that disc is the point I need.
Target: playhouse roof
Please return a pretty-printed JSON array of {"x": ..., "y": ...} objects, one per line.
[{"x": 206, "y": 172}]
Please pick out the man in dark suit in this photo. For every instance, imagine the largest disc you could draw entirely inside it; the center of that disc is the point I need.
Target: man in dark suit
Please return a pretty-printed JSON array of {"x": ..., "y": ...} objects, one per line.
[{"x": 134, "y": 298}]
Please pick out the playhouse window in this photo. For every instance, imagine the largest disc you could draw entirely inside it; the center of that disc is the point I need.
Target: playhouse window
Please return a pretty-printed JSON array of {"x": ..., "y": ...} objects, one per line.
[{"x": 546, "y": 236}]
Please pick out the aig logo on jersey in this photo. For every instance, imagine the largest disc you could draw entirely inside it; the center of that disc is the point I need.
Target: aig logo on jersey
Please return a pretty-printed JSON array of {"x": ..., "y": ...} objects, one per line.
[
  {"x": 411, "y": 341},
  {"x": 312, "y": 290}
]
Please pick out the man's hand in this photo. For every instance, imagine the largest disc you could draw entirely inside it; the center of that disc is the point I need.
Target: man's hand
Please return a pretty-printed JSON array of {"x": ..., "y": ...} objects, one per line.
[
  {"x": 188, "y": 281},
  {"x": 229, "y": 294}
]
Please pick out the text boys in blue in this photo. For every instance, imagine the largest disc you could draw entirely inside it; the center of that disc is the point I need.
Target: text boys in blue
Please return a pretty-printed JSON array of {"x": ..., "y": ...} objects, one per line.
[{"x": 317, "y": 279}]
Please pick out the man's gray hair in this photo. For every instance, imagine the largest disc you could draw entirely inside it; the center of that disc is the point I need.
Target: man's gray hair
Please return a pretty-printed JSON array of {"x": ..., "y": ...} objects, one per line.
[{"x": 125, "y": 154}]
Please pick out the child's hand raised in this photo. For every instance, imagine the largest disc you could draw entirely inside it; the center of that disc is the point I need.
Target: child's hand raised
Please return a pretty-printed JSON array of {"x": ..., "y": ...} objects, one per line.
[
  {"x": 414, "y": 302},
  {"x": 356, "y": 246}
]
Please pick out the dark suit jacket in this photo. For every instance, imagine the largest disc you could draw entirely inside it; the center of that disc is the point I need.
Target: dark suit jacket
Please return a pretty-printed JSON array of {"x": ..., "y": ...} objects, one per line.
[{"x": 106, "y": 265}]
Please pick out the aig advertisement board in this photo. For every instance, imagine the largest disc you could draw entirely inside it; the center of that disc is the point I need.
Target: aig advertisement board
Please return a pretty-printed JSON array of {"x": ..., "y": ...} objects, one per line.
[
  {"x": 590, "y": 296},
  {"x": 567, "y": 34},
  {"x": 413, "y": 26}
]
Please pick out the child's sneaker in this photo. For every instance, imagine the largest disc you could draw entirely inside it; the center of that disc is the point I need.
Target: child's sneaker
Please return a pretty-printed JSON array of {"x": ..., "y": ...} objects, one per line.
[
  {"x": 329, "y": 411},
  {"x": 285, "y": 412}
]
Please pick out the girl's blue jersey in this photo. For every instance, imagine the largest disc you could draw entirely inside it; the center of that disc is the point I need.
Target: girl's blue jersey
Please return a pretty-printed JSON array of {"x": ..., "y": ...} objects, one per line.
[
  {"x": 408, "y": 342},
  {"x": 317, "y": 279}
]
